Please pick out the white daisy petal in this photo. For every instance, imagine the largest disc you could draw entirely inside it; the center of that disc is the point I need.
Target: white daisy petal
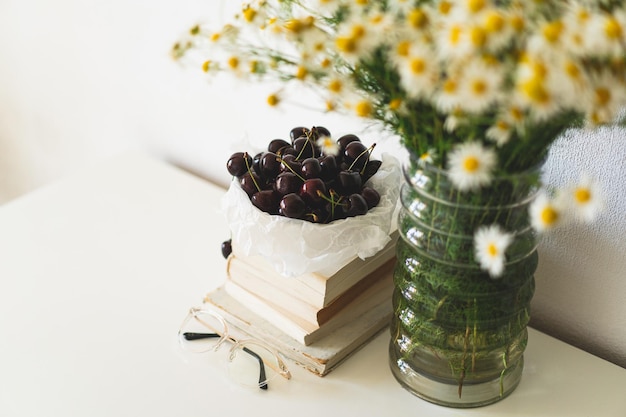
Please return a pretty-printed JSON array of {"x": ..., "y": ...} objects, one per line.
[
  {"x": 584, "y": 199},
  {"x": 470, "y": 165},
  {"x": 490, "y": 244},
  {"x": 546, "y": 213}
]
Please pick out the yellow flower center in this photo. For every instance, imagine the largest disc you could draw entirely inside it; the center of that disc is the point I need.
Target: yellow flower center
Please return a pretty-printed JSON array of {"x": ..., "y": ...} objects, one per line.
[
  {"x": 572, "y": 70},
  {"x": 552, "y": 31},
  {"x": 518, "y": 23},
  {"x": 233, "y": 62},
  {"x": 417, "y": 18},
  {"x": 536, "y": 91},
  {"x": 346, "y": 44},
  {"x": 358, "y": 31},
  {"x": 454, "y": 36},
  {"x": 475, "y": 6},
  {"x": 478, "y": 36},
  {"x": 603, "y": 96},
  {"x": 582, "y": 195},
  {"x": 492, "y": 250},
  {"x": 502, "y": 125},
  {"x": 363, "y": 108},
  {"x": 471, "y": 164},
  {"x": 215, "y": 37},
  {"x": 301, "y": 73},
  {"x": 549, "y": 216},
  {"x": 613, "y": 29},
  {"x": 418, "y": 66},
  {"x": 449, "y": 86},
  {"x": 377, "y": 19},
  {"x": 516, "y": 114},
  {"x": 273, "y": 100},
  {"x": 335, "y": 86},
  {"x": 403, "y": 48},
  {"x": 479, "y": 87},
  {"x": 445, "y": 7},
  {"x": 249, "y": 14},
  {"x": 395, "y": 104},
  {"x": 494, "y": 22}
]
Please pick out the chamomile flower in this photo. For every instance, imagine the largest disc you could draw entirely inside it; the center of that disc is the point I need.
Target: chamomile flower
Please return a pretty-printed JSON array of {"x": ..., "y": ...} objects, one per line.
[
  {"x": 490, "y": 244},
  {"x": 500, "y": 132},
  {"x": 355, "y": 39},
  {"x": 607, "y": 33},
  {"x": 584, "y": 199},
  {"x": 534, "y": 90},
  {"x": 418, "y": 71},
  {"x": 470, "y": 165},
  {"x": 480, "y": 85},
  {"x": 449, "y": 96},
  {"x": 427, "y": 157},
  {"x": 607, "y": 97},
  {"x": 546, "y": 213},
  {"x": 327, "y": 145}
]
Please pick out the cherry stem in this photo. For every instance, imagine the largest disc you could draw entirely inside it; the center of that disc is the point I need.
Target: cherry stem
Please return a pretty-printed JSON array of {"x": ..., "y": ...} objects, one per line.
[
  {"x": 368, "y": 151},
  {"x": 308, "y": 135},
  {"x": 282, "y": 161},
  {"x": 245, "y": 158}
]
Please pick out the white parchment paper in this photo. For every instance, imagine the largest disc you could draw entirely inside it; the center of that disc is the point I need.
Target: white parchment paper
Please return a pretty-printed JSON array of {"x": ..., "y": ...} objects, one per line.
[{"x": 295, "y": 247}]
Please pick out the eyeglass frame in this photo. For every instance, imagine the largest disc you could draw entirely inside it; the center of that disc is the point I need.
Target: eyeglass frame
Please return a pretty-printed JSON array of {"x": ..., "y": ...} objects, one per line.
[{"x": 237, "y": 344}]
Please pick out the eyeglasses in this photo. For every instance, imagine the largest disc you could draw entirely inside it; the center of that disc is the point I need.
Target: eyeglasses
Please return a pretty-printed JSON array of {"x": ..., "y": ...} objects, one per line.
[{"x": 205, "y": 330}]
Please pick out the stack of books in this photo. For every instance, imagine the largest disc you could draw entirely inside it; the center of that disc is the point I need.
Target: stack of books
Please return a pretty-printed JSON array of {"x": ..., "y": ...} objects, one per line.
[{"x": 314, "y": 320}]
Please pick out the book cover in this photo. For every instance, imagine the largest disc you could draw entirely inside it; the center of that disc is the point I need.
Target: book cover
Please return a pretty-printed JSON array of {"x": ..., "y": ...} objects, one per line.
[
  {"x": 290, "y": 300},
  {"x": 315, "y": 289},
  {"x": 320, "y": 357},
  {"x": 303, "y": 331}
]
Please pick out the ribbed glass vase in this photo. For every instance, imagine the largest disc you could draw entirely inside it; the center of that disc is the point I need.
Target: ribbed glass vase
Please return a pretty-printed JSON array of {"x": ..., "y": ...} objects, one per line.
[{"x": 458, "y": 335}]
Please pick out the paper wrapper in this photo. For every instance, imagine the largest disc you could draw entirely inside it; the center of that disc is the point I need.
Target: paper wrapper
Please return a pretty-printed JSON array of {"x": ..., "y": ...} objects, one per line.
[{"x": 295, "y": 247}]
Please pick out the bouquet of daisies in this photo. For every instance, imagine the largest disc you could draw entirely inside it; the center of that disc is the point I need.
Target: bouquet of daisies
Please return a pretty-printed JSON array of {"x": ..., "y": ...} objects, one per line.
[{"x": 478, "y": 88}]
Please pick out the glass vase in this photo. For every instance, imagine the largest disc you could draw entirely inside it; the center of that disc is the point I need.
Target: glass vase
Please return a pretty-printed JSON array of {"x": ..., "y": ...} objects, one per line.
[{"x": 458, "y": 335}]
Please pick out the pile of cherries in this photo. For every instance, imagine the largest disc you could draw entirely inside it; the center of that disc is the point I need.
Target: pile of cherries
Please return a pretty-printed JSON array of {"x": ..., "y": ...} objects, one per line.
[{"x": 299, "y": 180}]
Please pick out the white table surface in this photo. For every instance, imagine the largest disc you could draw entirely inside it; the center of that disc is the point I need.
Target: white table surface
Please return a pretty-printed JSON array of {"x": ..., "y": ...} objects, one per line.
[{"x": 98, "y": 271}]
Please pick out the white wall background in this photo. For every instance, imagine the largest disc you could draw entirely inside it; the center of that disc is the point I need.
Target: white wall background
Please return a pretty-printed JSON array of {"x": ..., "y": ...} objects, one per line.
[{"x": 80, "y": 80}]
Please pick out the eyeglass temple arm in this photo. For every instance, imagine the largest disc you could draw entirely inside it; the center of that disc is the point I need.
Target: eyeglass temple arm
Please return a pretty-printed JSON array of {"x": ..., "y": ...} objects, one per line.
[
  {"x": 199, "y": 336},
  {"x": 262, "y": 375}
]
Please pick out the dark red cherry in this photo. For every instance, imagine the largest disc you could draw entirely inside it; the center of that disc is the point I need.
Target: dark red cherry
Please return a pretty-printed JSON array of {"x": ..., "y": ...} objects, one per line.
[
  {"x": 356, "y": 205},
  {"x": 311, "y": 168},
  {"x": 238, "y": 164},
  {"x": 356, "y": 154},
  {"x": 345, "y": 139},
  {"x": 292, "y": 206},
  {"x": 250, "y": 182},
  {"x": 350, "y": 182},
  {"x": 227, "y": 248},
  {"x": 304, "y": 147},
  {"x": 319, "y": 131},
  {"x": 371, "y": 196},
  {"x": 266, "y": 200},
  {"x": 328, "y": 163},
  {"x": 290, "y": 164},
  {"x": 269, "y": 165},
  {"x": 297, "y": 132},
  {"x": 286, "y": 183},
  {"x": 313, "y": 192},
  {"x": 370, "y": 169},
  {"x": 277, "y": 146}
]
